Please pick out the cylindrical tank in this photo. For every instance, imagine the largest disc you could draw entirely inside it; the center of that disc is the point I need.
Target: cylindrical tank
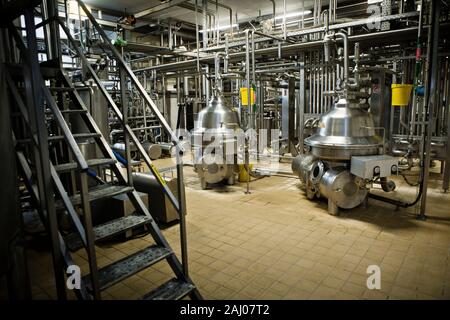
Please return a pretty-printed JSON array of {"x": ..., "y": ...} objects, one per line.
[
  {"x": 154, "y": 150},
  {"x": 342, "y": 189},
  {"x": 168, "y": 148}
]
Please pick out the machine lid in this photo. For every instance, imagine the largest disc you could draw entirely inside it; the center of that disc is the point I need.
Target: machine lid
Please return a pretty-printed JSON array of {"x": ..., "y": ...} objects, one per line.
[
  {"x": 345, "y": 126},
  {"x": 218, "y": 115}
]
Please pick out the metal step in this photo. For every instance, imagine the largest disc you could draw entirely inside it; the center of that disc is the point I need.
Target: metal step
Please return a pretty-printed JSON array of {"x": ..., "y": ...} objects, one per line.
[
  {"x": 126, "y": 267},
  {"x": 98, "y": 192},
  {"x": 76, "y": 136},
  {"x": 65, "y": 167},
  {"x": 60, "y": 89},
  {"x": 75, "y": 111},
  {"x": 173, "y": 289},
  {"x": 70, "y": 111},
  {"x": 119, "y": 225},
  {"x": 106, "y": 230}
]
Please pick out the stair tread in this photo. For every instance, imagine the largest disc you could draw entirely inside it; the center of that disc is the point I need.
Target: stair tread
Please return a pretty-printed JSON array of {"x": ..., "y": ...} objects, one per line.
[
  {"x": 173, "y": 289},
  {"x": 64, "y": 167},
  {"x": 126, "y": 267},
  {"x": 119, "y": 225},
  {"x": 108, "y": 229},
  {"x": 76, "y": 136},
  {"x": 69, "y": 111},
  {"x": 98, "y": 192},
  {"x": 60, "y": 88},
  {"x": 74, "y": 111}
]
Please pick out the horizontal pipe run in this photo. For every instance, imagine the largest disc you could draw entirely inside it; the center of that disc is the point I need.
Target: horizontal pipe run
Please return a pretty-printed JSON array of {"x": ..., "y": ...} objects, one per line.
[{"x": 285, "y": 49}]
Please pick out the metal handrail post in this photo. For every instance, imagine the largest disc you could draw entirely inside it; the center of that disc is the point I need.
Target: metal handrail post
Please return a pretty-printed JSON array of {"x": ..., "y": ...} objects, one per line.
[{"x": 182, "y": 212}]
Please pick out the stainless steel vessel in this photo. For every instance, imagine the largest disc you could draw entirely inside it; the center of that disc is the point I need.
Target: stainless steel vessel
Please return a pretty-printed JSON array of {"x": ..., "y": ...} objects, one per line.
[
  {"x": 343, "y": 134},
  {"x": 346, "y": 130},
  {"x": 217, "y": 126}
]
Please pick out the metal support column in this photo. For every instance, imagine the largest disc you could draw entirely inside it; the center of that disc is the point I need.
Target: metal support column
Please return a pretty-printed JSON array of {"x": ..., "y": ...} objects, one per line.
[
  {"x": 33, "y": 85},
  {"x": 182, "y": 212},
  {"x": 430, "y": 98}
]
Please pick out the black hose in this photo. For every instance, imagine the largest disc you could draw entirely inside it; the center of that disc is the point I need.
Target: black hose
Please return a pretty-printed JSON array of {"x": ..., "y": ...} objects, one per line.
[
  {"x": 410, "y": 183},
  {"x": 398, "y": 203}
]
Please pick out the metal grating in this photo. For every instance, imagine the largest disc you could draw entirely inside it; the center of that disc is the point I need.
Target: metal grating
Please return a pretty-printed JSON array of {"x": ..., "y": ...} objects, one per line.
[
  {"x": 174, "y": 289},
  {"x": 117, "y": 226},
  {"x": 99, "y": 192},
  {"x": 128, "y": 266},
  {"x": 106, "y": 230},
  {"x": 92, "y": 162}
]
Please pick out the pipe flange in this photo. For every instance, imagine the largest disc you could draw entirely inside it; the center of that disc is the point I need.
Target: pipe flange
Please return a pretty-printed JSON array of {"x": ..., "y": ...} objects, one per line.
[{"x": 317, "y": 171}]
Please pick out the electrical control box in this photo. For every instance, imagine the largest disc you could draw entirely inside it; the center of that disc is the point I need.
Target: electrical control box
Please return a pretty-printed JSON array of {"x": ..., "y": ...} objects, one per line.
[{"x": 369, "y": 167}]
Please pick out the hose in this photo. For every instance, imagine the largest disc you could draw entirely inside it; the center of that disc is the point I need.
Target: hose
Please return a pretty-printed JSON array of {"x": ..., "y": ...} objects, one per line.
[
  {"x": 398, "y": 203},
  {"x": 119, "y": 158},
  {"x": 410, "y": 183}
]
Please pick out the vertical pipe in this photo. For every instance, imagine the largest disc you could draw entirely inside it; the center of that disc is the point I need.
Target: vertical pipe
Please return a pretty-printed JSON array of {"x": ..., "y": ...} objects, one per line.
[
  {"x": 218, "y": 23},
  {"x": 318, "y": 106},
  {"x": 446, "y": 178},
  {"x": 313, "y": 71},
  {"x": 334, "y": 10},
  {"x": 207, "y": 84},
  {"x": 284, "y": 19},
  {"x": 303, "y": 14},
  {"x": 344, "y": 37},
  {"x": 225, "y": 63},
  {"x": 322, "y": 100},
  {"x": 253, "y": 57},
  {"x": 301, "y": 101},
  {"x": 273, "y": 8},
  {"x": 310, "y": 106},
  {"x": 247, "y": 75},
  {"x": 197, "y": 42},
  {"x": 430, "y": 94},
  {"x": 205, "y": 24}
]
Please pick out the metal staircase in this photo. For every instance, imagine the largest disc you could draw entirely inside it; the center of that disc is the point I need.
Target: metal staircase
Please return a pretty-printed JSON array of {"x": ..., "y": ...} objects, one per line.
[{"x": 35, "y": 88}]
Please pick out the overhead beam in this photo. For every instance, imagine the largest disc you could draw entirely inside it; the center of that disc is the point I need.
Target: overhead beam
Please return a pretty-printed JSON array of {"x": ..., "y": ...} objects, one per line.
[{"x": 158, "y": 8}]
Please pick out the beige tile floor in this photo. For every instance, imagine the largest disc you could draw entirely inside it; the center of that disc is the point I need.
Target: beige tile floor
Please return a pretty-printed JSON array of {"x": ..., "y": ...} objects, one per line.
[{"x": 276, "y": 244}]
